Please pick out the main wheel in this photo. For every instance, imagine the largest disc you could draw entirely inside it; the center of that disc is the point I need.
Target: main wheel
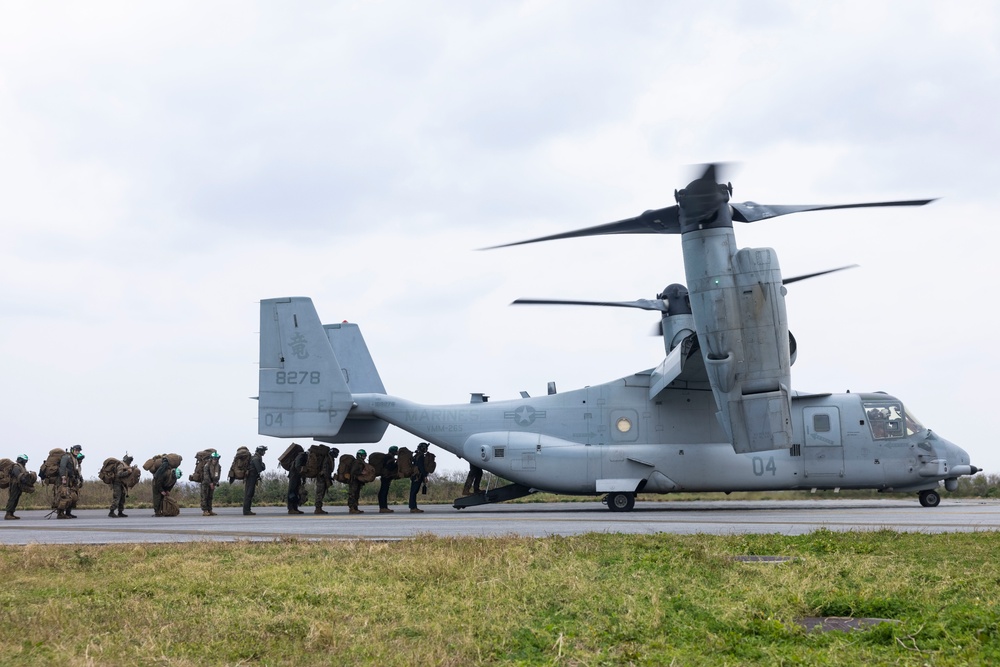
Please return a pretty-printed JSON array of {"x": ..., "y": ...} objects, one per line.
[
  {"x": 621, "y": 502},
  {"x": 930, "y": 498}
]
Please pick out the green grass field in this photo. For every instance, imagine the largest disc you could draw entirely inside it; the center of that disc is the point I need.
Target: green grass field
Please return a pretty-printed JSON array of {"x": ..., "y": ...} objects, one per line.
[{"x": 588, "y": 600}]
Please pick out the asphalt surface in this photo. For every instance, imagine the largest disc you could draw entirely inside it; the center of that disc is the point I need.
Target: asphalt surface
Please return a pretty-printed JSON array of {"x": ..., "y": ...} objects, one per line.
[{"x": 531, "y": 519}]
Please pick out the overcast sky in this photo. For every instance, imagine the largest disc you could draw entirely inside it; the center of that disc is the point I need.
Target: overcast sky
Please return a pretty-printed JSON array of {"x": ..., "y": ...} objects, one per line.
[{"x": 164, "y": 166}]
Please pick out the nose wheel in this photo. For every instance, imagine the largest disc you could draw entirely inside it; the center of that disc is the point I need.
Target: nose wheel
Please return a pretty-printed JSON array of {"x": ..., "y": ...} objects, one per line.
[
  {"x": 930, "y": 498},
  {"x": 620, "y": 502}
]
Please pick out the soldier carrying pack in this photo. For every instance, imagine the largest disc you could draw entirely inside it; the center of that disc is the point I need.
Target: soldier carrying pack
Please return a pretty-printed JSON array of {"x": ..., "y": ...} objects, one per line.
[
  {"x": 314, "y": 464},
  {"x": 199, "y": 464}
]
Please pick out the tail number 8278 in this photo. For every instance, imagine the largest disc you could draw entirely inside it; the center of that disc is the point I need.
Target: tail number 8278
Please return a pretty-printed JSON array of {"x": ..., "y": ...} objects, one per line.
[{"x": 297, "y": 377}]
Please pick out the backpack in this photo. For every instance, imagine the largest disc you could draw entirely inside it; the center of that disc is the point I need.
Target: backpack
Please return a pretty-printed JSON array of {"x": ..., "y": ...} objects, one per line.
[
  {"x": 108, "y": 470},
  {"x": 404, "y": 459},
  {"x": 133, "y": 478},
  {"x": 65, "y": 498},
  {"x": 27, "y": 482},
  {"x": 240, "y": 465},
  {"x": 49, "y": 472},
  {"x": 199, "y": 464},
  {"x": 368, "y": 474},
  {"x": 376, "y": 460},
  {"x": 344, "y": 468},
  {"x": 5, "y": 466},
  {"x": 314, "y": 464},
  {"x": 430, "y": 464},
  {"x": 173, "y": 460},
  {"x": 288, "y": 457},
  {"x": 169, "y": 506}
]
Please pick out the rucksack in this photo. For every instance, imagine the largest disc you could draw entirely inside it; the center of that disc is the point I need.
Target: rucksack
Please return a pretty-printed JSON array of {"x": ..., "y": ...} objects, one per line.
[
  {"x": 199, "y": 464},
  {"x": 376, "y": 460},
  {"x": 344, "y": 468},
  {"x": 405, "y": 462},
  {"x": 430, "y": 464},
  {"x": 169, "y": 507},
  {"x": 5, "y": 466},
  {"x": 27, "y": 481},
  {"x": 288, "y": 457},
  {"x": 49, "y": 472},
  {"x": 133, "y": 478},
  {"x": 367, "y": 474},
  {"x": 173, "y": 460},
  {"x": 240, "y": 465},
  {"x": 314, "y": 464},
  {"x": 108, "y": 470}
]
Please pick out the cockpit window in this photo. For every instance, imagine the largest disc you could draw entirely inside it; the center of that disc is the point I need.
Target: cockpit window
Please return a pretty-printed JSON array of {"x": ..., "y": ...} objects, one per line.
[{"x": 887, "y": 419}]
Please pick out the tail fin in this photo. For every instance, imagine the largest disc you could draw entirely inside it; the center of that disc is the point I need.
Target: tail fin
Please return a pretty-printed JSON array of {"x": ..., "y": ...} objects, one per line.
[
  {"x": 303, "y": 392},
  {"x": 362, "y": 378}
]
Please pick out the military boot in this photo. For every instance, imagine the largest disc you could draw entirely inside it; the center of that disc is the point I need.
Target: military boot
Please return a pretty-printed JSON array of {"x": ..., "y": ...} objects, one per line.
[
  {"x": 112, "y": 515},
  {"x": 320, "y": 510},
  {"x": 385, "y": 510},
  {"x": 122, "y": 514},
  {"x": 9, "y": 516},
  {"x": 355, "y": 510},
  {"x": 61, "y": 514},
  {"x": 70, "y": 515}
]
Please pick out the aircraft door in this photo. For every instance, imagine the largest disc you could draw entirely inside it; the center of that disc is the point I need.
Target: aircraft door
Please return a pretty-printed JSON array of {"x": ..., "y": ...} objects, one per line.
[{"x": 823, "y": 449}]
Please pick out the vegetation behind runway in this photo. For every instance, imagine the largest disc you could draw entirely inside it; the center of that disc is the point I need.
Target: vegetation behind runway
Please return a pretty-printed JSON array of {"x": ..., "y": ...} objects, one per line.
[
  {"x": 444, "y": 488},
  {"x": 585, "y": 600}
]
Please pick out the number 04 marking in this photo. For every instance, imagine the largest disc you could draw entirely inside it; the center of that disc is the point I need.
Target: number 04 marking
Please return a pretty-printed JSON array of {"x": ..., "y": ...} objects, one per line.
[{"x": 759, "y": 467}]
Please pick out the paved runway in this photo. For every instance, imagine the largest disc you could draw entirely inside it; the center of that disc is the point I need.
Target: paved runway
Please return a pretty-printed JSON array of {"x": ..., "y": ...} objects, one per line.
[{"x": 532, "y": 519}]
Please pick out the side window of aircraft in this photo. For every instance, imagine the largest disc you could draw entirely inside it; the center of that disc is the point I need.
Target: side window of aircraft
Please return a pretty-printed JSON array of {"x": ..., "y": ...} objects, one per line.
[
  {"x": 885, "y": 420},
  {"x": 821, "y": 423}
]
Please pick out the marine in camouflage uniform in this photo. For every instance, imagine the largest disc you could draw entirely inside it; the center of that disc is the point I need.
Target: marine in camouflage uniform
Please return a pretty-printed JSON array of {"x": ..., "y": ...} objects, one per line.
[
  {"x": 14, "y": 496},
  {"x": 296, "y": 482},
  {"x": 325, "y": 479},
  {"x": 211, "y": 474},
  {"x": 418, "y": 477},
  {"x": 389, "y": 469},
  {"x": 70, "y": 481},
  {"x": 354, "y": 486},
  {"x": 472, "y": 480},
  {"x": 250, "y": 483},
  {"x": 162, "y": 476},
  {"x": 118, "y": 491}
]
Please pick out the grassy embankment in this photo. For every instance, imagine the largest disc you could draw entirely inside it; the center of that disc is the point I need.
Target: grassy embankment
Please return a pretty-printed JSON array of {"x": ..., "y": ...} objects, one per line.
[
  {"x": 441, "y": 489},
  {"x": 587, "y": 600}
]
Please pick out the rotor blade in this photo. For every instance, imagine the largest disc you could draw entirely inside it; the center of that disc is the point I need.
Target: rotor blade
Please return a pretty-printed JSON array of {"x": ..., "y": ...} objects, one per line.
[
  {"x": 752, "y": 211},
  {"x": 644, "y": 304},
  {"x": 660, "y": 221},
  {"x": 795, "y": 279}
]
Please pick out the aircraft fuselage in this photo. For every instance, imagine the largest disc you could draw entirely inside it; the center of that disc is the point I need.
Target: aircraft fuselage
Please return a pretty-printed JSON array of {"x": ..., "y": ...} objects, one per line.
[{"x": 612, "y": 438}]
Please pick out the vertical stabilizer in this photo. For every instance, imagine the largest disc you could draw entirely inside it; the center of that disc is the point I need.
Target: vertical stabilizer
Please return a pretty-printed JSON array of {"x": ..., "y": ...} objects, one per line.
[{"x": 303, "y": 392}]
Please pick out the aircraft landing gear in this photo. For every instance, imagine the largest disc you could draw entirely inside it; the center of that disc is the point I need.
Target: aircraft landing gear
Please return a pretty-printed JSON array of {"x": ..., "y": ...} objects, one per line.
[
  {"x": 930, "y": 498},
  {"x": 620, "y": 502}
]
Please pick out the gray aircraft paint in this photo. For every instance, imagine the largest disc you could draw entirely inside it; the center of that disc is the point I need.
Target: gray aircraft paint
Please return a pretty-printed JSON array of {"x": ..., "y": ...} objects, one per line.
[{"x": 718, "y": 414}]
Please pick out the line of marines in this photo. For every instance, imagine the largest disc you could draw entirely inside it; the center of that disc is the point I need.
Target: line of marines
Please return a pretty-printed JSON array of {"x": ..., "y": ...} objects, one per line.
[{"x": 66, "y": 486}]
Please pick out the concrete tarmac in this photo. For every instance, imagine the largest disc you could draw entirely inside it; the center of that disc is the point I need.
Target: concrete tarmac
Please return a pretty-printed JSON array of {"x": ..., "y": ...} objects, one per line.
[{"x": 530, "y": 519}]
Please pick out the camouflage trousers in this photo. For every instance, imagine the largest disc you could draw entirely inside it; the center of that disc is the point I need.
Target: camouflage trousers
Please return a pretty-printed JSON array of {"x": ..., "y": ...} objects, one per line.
[
  {"x": 207, "y": 495},
  {"x": 118, "y": 496}
]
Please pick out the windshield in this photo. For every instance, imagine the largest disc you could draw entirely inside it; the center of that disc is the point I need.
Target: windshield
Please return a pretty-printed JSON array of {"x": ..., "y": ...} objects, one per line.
[{"x": 888, "y": 419}]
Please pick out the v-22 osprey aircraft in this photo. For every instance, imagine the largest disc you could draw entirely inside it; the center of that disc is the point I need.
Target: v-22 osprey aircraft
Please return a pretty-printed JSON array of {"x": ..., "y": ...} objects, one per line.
[{"x": 717, "y": 414}]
